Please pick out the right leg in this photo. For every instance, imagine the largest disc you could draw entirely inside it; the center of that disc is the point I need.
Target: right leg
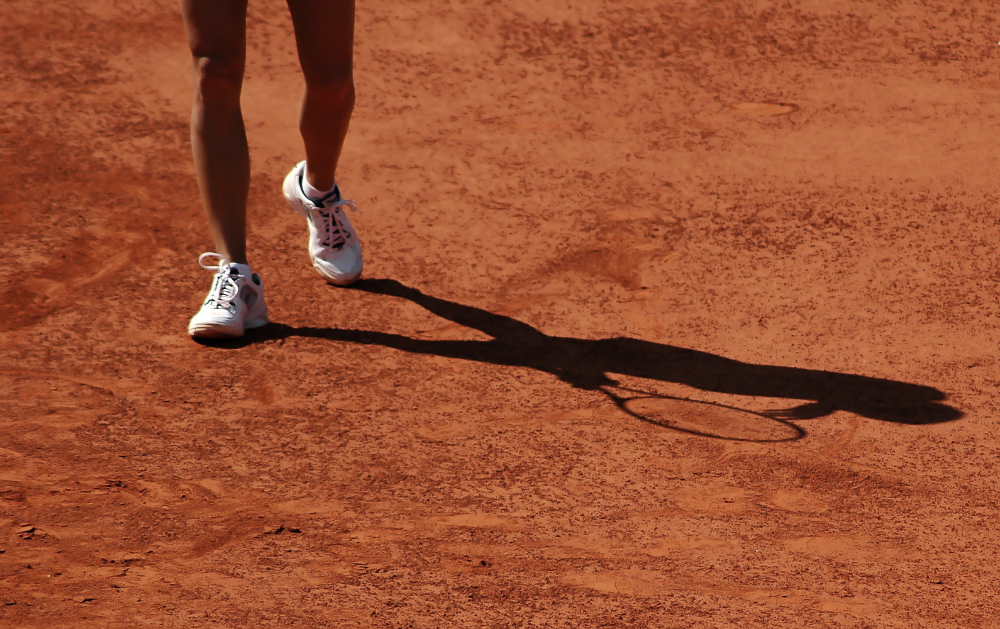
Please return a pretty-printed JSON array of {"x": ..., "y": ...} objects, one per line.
[{"x": 216, "y": 33}]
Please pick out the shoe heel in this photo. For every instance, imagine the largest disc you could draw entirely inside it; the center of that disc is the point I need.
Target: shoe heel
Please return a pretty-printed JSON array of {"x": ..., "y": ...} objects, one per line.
[
  {"x": 291, "y": 195},
  {"x": 251, "y": 324},
  {"x": 257, "y": 317}
]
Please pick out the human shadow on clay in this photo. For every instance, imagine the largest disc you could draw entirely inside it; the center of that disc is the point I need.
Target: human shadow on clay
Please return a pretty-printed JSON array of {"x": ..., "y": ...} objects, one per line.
[{"x": 586, "y": 364}]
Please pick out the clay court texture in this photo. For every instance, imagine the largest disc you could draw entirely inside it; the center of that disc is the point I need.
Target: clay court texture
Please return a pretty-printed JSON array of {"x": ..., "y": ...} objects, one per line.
[{"x": 675, "y": 314}]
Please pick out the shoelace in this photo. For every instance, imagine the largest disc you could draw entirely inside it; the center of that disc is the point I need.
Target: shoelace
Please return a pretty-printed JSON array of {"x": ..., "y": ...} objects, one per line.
[
  {"x": 224, "y": 290},
  {"x": 335, "y": 235}
]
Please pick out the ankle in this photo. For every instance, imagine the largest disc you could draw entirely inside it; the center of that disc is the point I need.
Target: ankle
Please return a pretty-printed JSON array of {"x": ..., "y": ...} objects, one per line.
[
  {"x": 236, "y": 259},
  {"x": 315, "y": 186}
]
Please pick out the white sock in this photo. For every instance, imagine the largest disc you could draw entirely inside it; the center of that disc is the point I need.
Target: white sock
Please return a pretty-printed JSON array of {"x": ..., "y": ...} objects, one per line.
[{"x": 313, "y": 193}]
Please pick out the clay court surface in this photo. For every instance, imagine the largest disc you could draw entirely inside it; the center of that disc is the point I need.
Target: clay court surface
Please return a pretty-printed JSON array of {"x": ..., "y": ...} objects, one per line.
[{"x": 675, "y": 314}]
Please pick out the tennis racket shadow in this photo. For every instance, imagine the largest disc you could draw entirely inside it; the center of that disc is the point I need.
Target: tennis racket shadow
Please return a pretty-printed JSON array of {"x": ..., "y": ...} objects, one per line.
[{"x": 703, "y": 418}]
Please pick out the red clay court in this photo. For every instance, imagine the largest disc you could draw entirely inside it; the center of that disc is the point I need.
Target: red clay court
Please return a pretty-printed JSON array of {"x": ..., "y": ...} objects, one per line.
[{"x": 675, "y": 314}]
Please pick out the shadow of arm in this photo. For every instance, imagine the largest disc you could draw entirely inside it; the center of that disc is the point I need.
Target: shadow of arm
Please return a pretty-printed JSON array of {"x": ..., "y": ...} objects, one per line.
[{"x": 824, "y": 391}]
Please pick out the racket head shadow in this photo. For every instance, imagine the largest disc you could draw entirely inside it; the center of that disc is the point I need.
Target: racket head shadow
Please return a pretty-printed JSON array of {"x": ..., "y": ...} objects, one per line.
[{"x": 707, "y": 419}]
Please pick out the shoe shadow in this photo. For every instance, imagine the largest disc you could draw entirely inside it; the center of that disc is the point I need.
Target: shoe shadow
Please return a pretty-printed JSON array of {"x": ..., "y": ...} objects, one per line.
[{"x": 586, "y": 364}]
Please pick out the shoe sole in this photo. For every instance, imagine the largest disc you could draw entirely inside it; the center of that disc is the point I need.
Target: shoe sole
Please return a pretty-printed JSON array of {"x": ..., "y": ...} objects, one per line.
[
  {"x": 214, "y": 331},
  {"x": 336, "y": 281},
  {"x": 206, "y": 331},
  {"x": 288, "y": 189}
]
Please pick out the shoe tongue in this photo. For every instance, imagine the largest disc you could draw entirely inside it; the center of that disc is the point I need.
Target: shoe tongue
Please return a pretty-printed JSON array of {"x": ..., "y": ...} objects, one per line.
[{"x": 331, "y": 197}]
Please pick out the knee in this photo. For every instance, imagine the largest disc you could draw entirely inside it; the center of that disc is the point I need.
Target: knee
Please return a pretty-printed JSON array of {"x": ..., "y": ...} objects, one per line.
[
  {"x": 335, "y": 90},
  {"x": 218, "y": 82}
]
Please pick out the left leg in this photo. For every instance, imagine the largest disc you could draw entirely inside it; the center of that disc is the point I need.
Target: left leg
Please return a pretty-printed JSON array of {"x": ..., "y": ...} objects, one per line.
[{"x": 324, "y": 36}]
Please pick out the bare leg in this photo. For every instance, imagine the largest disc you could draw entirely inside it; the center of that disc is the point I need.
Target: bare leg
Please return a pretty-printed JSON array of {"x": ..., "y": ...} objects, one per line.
[
  {"x": 324, "y": 35},
  {"x": 217, "y": 36}
]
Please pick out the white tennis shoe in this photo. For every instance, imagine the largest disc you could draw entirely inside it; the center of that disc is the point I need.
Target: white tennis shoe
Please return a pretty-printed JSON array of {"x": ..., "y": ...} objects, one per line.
[
  {"x": 234, "y": 304},
  {"x": 333, "y": 244}
]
